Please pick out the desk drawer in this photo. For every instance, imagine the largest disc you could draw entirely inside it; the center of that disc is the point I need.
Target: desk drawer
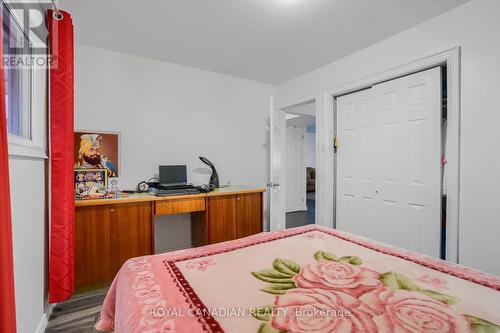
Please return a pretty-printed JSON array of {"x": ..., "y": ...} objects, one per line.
[{"x": 178, "y": 206}]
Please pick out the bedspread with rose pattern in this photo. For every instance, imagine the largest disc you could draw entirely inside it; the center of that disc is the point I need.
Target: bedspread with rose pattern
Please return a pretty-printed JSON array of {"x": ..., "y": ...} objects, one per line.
[{"x": 307, "y": 279}]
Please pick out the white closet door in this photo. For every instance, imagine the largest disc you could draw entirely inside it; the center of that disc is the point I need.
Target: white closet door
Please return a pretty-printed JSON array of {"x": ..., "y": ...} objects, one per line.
[
  {"x": 295, "y": 170},
  {"x": 356, "y": 163},
  {"x": 389, "y": 169}
]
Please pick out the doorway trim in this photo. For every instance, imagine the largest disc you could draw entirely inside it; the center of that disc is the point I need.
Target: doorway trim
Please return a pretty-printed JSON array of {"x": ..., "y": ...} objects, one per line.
[
  {"x": 312, "y": 98},
  {"x": 450, "y": 58}
]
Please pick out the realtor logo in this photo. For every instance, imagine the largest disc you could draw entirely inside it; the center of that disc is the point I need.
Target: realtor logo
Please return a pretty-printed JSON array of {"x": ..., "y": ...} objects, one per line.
[{"x": 25, "y": 34}]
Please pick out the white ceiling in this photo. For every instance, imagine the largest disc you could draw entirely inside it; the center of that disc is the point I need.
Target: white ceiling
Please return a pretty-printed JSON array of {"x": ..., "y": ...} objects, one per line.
[
  {"x": 264, "y": 40},
  {"x": 302, "y": 108},
  {"x": 302, "y": 121}
]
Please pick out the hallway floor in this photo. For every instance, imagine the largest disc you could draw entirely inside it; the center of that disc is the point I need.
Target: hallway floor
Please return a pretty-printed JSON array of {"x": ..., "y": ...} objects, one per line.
[{"x": 298, "y": 219}]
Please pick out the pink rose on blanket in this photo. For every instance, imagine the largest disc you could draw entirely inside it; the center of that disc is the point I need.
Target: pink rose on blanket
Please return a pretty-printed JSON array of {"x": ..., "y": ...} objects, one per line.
[
  {"x": 332, "y": 275},
  {"x": 405, "y": 311},
  {"x": 434, "y": 281},
  {"x": 320, "y": 311}
]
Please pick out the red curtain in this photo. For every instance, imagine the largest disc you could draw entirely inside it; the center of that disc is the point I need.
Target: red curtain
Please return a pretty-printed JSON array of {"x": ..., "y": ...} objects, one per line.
[
  {"x": 62, "y": 207},
  {"x": 7, "y": 303}
]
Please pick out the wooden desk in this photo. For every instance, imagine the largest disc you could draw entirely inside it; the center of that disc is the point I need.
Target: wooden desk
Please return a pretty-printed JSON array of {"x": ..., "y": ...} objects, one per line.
[{"x": 111, "y": 231}]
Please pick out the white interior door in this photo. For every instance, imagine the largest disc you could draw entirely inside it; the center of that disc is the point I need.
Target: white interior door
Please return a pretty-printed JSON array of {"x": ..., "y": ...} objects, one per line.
[
  {"x": 295, "y": 169},
  {"x": 389, "y": 167},
  {"x": 277, "y": 173}
]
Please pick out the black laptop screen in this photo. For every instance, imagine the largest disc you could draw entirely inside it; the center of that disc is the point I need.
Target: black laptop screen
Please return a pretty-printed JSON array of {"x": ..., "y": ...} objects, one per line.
[{"x": 173, "y": 174}]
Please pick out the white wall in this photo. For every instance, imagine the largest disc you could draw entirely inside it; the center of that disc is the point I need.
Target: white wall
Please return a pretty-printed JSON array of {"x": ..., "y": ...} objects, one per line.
[
  {"x": 27, "y": 182},
  {"x": 167, "y": 113},
  {"x": 310, "y": 141},
  {"x": 28, "y": 174},
  {"x": 474, "y": 26}
]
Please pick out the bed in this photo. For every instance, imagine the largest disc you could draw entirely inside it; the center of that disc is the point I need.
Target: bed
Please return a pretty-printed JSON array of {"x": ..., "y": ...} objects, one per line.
[{"x": 307, "y": 279}]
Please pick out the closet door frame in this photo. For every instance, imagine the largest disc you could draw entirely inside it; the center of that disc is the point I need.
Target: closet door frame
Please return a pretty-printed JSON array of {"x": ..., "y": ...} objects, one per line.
[{"x": 451, "y": 59}]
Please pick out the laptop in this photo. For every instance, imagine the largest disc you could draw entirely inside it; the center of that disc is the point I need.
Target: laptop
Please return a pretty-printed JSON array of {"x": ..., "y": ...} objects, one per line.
[{"x": 173, "y": 176}]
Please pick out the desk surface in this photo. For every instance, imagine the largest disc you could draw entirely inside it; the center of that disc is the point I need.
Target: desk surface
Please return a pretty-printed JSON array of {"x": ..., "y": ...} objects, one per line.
[{"x": 144, "y": 197}]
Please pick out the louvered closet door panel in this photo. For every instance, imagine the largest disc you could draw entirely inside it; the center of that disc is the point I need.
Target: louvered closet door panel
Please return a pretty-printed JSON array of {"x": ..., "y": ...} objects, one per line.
[{"x": 389, "y": 172}]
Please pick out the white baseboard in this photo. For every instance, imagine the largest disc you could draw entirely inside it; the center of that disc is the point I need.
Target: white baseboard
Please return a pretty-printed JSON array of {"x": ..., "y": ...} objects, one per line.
[{"x": 42, "y": 325}]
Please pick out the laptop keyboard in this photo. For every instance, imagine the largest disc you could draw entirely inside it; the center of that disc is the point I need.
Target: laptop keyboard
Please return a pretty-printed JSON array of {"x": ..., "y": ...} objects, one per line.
[{"x": 178, "y": 191}]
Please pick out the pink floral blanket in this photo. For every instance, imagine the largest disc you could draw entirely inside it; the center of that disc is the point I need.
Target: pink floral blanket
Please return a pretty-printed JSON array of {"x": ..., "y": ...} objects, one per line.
[{"x": 308, "y": 279}]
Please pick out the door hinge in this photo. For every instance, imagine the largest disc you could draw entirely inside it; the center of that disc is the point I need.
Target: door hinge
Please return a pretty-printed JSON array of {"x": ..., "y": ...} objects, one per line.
[{"x": 335, "y": 143}]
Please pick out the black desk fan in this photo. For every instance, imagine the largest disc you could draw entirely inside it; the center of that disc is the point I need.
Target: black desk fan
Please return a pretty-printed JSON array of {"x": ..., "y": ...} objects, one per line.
[{"x": 214, "y": 178}]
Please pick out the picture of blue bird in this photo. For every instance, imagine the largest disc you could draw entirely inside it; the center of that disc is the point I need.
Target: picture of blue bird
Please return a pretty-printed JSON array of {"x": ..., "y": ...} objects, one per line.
[{"x": 109, "y": 166}]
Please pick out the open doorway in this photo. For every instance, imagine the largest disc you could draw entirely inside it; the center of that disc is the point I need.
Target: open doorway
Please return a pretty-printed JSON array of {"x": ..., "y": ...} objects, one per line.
[{"x": 300, "y": 165}]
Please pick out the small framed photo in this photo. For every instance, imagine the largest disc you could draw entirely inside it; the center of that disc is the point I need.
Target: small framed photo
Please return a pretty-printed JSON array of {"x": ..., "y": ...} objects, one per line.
[
  {"x": 90, "y": 183},
  {"x": 114, "y": 184}
]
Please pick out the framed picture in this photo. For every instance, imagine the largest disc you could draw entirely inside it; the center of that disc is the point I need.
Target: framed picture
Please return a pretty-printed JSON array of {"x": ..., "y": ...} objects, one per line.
[
  {"x": 97, "y": 150},
  {"x": 90, "y": 182},
  {"x": 114, "y": 185}
]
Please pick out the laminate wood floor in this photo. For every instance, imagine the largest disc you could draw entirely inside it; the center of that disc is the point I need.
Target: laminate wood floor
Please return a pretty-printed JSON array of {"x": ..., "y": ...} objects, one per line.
[{"x": 77, "y": 315}]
